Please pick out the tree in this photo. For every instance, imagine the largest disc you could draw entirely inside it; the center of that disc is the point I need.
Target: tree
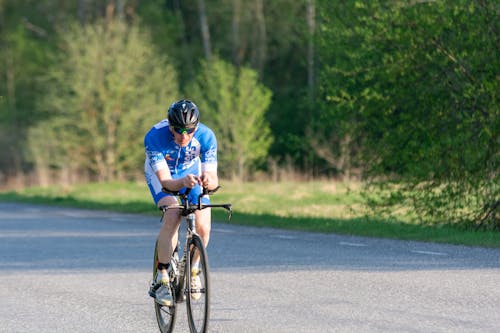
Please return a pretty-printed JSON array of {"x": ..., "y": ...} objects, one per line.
[
  {"x": 24, "y": 49},
  {"x": 110, "y": 87},
  {"x": 233, "y": 103},
  {"x": 414, "y": 87},
  {"x": 270, "y": 37}
]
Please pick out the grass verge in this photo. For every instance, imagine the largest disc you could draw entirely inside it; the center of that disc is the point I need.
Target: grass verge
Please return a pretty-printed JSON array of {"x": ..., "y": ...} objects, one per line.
[{"x": 324, "y": 207}]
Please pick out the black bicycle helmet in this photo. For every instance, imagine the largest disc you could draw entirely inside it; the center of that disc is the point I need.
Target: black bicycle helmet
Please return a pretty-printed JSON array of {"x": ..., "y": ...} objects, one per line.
[{"x": 183, "y": 113}]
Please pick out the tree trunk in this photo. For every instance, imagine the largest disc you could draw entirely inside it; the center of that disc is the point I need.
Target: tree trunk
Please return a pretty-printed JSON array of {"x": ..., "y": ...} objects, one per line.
[
  {"x": 237, "y": 54},
  {"x": 311, "y": 11},
  {"x": 260, "y": 40},
  {"x": 241, "y": 169},
  {"x": 186, "y": 52},
  {"x": 205, "y": 32},
  {"x": 14, "y": 121}
]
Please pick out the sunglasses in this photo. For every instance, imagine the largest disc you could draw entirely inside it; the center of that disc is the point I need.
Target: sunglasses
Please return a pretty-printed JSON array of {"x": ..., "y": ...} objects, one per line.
[{"x": 182, "y": 130}]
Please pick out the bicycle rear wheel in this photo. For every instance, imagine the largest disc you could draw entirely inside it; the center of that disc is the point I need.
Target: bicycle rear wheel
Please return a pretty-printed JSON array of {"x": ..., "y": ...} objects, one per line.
[
  {"x": 165, "y": 315},
  {"x": 198, "y": 287}
]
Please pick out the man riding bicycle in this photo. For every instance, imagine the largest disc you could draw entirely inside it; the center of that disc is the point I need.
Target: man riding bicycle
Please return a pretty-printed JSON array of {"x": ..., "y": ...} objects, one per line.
[{"x": 181, "y": 153}]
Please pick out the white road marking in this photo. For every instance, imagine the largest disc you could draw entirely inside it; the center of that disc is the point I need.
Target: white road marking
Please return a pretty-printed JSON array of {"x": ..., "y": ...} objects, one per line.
[
  {"x": 352, "y": 244},
  {"x": 430, "y": 253},
  {"x": 226, "y": 231},
  {"x": 283, "y": 237},
  {"x": 118, "y": 219},
  {"x": 74, "y": 214}
]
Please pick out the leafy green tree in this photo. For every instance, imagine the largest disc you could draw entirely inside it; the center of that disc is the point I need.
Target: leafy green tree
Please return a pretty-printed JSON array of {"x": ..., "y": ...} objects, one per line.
[
  {"x": 109, "y": 89},
  {"x": 270, "y": 37},
  {"x": 24, "y": 47},
  {"x": 414, "y": 88},
  {"x": 233, "y": 103}
]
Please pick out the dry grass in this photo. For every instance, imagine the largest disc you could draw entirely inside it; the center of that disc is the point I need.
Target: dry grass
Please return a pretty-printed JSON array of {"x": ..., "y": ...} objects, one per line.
[{"x": 329, "y": 199}]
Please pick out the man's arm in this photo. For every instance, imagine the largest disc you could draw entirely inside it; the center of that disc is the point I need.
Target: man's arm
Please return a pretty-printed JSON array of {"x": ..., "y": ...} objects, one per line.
[{"x": 175, "y": 184}]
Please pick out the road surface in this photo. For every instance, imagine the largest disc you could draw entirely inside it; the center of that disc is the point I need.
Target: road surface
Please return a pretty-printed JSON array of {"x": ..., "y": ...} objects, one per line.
[{"x": 69, "y": 270}]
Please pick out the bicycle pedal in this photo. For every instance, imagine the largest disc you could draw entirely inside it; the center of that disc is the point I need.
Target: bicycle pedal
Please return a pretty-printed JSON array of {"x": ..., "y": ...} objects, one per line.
[{"x": 153, "y": 289}]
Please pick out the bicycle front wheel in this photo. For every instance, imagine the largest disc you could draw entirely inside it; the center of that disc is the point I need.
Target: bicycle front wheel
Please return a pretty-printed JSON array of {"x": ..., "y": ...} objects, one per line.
[
  {"x": 198, "y": 287},
  {"x": 165, "y": 315}
]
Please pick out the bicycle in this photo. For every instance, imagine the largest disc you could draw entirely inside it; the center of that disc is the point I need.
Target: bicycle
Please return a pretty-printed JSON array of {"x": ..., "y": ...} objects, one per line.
[{"x": 197, "y": 299}]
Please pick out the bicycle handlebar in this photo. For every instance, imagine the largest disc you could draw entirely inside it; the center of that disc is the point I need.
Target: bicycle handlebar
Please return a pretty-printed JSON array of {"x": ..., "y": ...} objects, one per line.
[
  {"x": 187, "y": 208},
  {"x": 186, "y": 193}
]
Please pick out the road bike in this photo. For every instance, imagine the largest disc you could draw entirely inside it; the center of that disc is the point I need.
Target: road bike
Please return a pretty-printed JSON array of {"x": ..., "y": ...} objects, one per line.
[{"x": 197, "y": 297}]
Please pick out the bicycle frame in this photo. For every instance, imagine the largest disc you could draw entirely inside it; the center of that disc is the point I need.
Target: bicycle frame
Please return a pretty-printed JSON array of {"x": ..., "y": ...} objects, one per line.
[
  {"x": 178, "y": 267},
  {"x": 180, "y": 271},
  {"x": 188, "y": 210}
]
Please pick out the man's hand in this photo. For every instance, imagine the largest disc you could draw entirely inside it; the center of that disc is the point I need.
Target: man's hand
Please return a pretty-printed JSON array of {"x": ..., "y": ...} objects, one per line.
[
  {"x": 209, "y": 180},
  {"x": 190, "y": 181}
]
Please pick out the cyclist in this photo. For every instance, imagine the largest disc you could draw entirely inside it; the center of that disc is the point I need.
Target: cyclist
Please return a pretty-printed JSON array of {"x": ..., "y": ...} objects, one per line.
[{"x": 181, "y": 153}]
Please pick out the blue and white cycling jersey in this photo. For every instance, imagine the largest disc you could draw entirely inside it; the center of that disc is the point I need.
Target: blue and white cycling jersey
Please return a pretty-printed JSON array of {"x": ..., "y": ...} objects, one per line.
[{"x": 162, "y": 152}]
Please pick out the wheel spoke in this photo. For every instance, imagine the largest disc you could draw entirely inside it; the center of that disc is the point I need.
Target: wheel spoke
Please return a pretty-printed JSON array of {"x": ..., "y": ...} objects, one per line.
[{"x": 198, "y": 289}]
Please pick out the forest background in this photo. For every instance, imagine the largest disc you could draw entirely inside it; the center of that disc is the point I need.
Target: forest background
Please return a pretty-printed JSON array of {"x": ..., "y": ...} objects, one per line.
[{"x": 401, "y": 95}]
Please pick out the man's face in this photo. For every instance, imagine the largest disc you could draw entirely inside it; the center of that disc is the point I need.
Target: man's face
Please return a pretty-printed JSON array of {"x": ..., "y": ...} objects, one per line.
[{"x": 182, "y": 136}]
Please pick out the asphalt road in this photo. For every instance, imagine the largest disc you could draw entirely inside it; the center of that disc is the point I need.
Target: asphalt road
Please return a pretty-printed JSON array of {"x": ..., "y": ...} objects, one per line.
[{"x": 68, "y": 270}]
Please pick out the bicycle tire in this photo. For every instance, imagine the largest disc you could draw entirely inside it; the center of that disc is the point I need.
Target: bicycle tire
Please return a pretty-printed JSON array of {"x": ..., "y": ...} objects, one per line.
[
  {"x": 165, "y": 315},
  {"x": 198, "y": 300}
]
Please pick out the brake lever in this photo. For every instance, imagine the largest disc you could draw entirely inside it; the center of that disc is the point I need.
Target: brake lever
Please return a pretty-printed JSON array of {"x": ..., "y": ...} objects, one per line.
[{"x": 206, "y": 191}]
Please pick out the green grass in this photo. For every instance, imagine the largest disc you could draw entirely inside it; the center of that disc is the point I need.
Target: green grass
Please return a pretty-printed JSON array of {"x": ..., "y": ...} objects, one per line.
[{"x": 326, "y": 207}]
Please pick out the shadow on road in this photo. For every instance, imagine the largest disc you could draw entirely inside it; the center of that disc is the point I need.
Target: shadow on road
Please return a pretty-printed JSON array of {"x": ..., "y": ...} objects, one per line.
[{"x": 49, "y": 238}]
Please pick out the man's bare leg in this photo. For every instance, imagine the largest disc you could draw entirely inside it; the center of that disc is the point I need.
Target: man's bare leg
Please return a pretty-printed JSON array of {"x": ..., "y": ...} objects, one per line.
[{"x": 168, "y": 235}]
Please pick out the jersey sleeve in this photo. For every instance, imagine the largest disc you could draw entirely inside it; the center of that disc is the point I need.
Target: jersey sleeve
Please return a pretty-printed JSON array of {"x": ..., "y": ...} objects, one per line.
[
  {"x": 208, "y": 153},
  {"x": 154, "y": 155}
]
